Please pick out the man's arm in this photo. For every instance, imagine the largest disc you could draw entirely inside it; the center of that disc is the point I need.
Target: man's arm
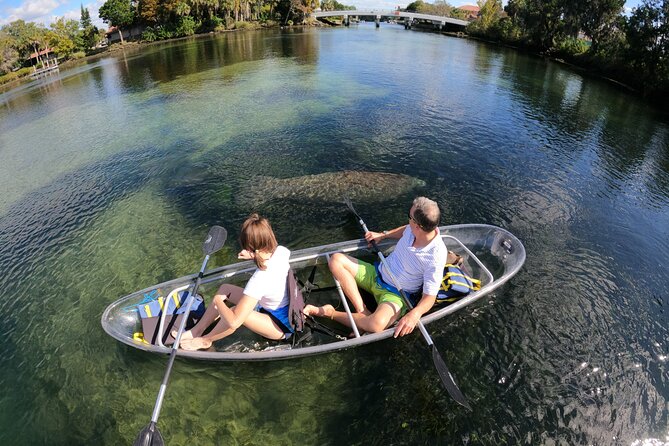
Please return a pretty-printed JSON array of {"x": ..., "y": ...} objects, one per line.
[
  {"x": 378, "y": 236},
  {"x": 410, "y": 320},
  {"x": 432, "y": 277}
]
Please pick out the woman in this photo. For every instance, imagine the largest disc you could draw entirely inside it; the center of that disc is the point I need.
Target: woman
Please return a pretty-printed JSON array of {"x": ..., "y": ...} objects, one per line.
[{"x": 262, "y": 305}]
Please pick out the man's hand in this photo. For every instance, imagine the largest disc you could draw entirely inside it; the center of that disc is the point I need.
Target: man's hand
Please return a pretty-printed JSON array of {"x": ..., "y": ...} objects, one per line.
[
  {"x": 407, "y": 323},
  {"x": 374, "y": 236}
]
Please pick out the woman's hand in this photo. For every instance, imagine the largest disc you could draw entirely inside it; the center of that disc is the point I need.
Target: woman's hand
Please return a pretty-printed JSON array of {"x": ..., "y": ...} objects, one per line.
[{"x": 244, "y": 254}]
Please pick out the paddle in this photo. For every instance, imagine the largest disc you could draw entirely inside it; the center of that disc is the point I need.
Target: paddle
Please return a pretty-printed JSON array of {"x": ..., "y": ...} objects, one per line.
[
  {"x": 444, "y": 373},
  {"x": 150, "y": 435}
]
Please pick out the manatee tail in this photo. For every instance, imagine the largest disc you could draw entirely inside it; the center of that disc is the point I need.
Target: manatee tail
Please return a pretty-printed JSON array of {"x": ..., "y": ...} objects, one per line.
[{"x": 253, "y": 193}]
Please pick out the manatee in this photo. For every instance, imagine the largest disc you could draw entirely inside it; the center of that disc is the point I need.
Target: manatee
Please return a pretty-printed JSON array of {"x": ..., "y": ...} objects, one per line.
[{"x": 329, "y": 187}]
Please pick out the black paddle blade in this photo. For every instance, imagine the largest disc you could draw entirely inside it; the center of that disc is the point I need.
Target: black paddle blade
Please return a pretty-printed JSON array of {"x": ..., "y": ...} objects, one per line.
[
  {"x": 149, "y": 436},
  {"x": 215, "y": 240},
  {"x": 448, "y": 380}
]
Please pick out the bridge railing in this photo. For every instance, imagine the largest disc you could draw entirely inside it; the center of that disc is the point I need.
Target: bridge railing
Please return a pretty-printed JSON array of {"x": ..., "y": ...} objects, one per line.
[{"x": 394, "y": 14}]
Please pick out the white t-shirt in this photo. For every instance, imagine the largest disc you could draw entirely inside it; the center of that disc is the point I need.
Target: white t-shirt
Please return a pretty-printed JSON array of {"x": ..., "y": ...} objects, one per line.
[
  {"x": 414, "y": 267},
  {"x": 269, "y": 286}
]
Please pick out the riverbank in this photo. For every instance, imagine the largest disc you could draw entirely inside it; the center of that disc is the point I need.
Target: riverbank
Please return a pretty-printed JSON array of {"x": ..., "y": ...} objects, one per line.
[
  {"x": 577, "y": 64},
  {"x": 13, "y": 80}
]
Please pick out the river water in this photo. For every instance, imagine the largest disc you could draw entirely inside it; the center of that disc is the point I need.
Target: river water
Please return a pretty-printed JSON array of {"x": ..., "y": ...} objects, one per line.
[{"x": 112, "y": 172}]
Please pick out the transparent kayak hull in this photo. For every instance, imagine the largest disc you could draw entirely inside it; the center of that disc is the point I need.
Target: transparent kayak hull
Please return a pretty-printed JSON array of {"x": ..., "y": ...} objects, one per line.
[{"x": 491, "y": 254}]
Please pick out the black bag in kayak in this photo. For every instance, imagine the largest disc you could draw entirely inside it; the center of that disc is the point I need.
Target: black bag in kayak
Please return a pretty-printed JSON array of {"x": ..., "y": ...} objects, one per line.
[{"x": 295, "y": 303}]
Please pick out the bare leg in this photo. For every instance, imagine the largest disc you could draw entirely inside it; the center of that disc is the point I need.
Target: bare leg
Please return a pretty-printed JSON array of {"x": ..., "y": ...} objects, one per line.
[
  {"x": 257, "y": 322},
  {"x": 344, "y": 269},
  {"x": 233, "y": 293},
  {"x": 385, "y": 315}
]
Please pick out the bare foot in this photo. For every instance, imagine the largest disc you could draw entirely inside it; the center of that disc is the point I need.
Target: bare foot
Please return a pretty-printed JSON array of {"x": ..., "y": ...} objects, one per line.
[
  {"x": 324, "y": 311},
  {"x": 196, "y": 344},
  {"x": 185, "y": 336}
]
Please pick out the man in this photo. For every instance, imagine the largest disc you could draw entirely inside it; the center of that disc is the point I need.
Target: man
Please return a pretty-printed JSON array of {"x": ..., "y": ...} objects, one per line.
[{"x": 416, "y": 263}]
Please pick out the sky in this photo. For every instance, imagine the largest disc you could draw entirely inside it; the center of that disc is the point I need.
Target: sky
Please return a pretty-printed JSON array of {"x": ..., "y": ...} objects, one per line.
[{"x": 47, "y": 11}]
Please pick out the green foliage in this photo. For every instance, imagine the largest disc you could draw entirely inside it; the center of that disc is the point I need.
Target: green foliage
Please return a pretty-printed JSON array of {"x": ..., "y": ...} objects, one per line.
[
  {"x": 648, "y": 37},
  {"x": 210, "y": 24},
  {"x": 439, "y": 7},
  {"x": 334, "y": 5},
  {"x": 149, "y": 34},
  {"x": 414, "y": 6},
  {"x": 164, "y": 33},
  {"x": 489, "y": 12},
  {"x": 85, "y": 18},
  {"x": 12, "y": 76},
  {"x": 9, "y": 56},
  {"x": 185, "y": 26},
  {"x": 246, "y": 25},
  {"x": 62, "y": 36},
  {"x": 507, "y": 30},
  {"x": 596, "y": 18},
  {"x": 148, "y": 11},
  {"x": 572, "y": 46},
  {"x": 88, "y": 36},
  {"x": 118, "y": 13},
  {"x": 28, "y": 37}
]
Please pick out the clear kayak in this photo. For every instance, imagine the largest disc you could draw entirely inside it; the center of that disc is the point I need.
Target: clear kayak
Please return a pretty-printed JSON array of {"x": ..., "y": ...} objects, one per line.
[{"x": 491, "y": 254}]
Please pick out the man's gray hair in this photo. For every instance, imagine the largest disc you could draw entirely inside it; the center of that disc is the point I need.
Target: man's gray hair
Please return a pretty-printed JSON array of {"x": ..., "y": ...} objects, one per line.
[{"x": 426, "y": 213}]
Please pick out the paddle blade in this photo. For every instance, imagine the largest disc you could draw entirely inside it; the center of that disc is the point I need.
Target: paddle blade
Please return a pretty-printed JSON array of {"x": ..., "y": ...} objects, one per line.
[
  {"x": 215, "y": 240},
  {"x": 149, "y": 436},
  {"x": 349, "y": 205},
  {"x": 448, "y": 380}
]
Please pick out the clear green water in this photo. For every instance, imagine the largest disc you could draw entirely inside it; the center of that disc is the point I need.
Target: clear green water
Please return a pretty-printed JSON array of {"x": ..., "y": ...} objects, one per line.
[{"x": 112, "y": 172}]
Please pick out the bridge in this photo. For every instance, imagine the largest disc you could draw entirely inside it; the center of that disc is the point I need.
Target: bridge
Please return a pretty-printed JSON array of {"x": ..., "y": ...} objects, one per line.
[{"x": 407, "y": 17}]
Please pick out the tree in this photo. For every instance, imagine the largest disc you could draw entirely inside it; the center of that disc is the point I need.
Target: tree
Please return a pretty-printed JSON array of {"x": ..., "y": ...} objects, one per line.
[
  {"x": 415, "y": 6},
  {"x": 85, "y": 18},
  {"x": 334, "y": 5},
  {"x": 148, "y": 11},
  {"x": 88, "y": 36},
  {"x": 62, "y": 35},
  {"x": 29, "y": 37},
  {"x": 596, "y": 18},
  {"x": 9, "y": 56},
  {"x": 118, "y": 13},
  {"x": 648, "y": 37},
  {"x": 541, "y": 20},
  {"x": 489, "y": 12}
]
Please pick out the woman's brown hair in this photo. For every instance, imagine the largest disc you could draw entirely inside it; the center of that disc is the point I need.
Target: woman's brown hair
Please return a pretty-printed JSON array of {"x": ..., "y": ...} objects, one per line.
[{"x": 257, "y": 235}]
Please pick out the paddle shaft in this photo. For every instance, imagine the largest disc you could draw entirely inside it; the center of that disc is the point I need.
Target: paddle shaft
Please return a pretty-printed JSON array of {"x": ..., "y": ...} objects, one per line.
[{"x": 175, "y": 346}]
